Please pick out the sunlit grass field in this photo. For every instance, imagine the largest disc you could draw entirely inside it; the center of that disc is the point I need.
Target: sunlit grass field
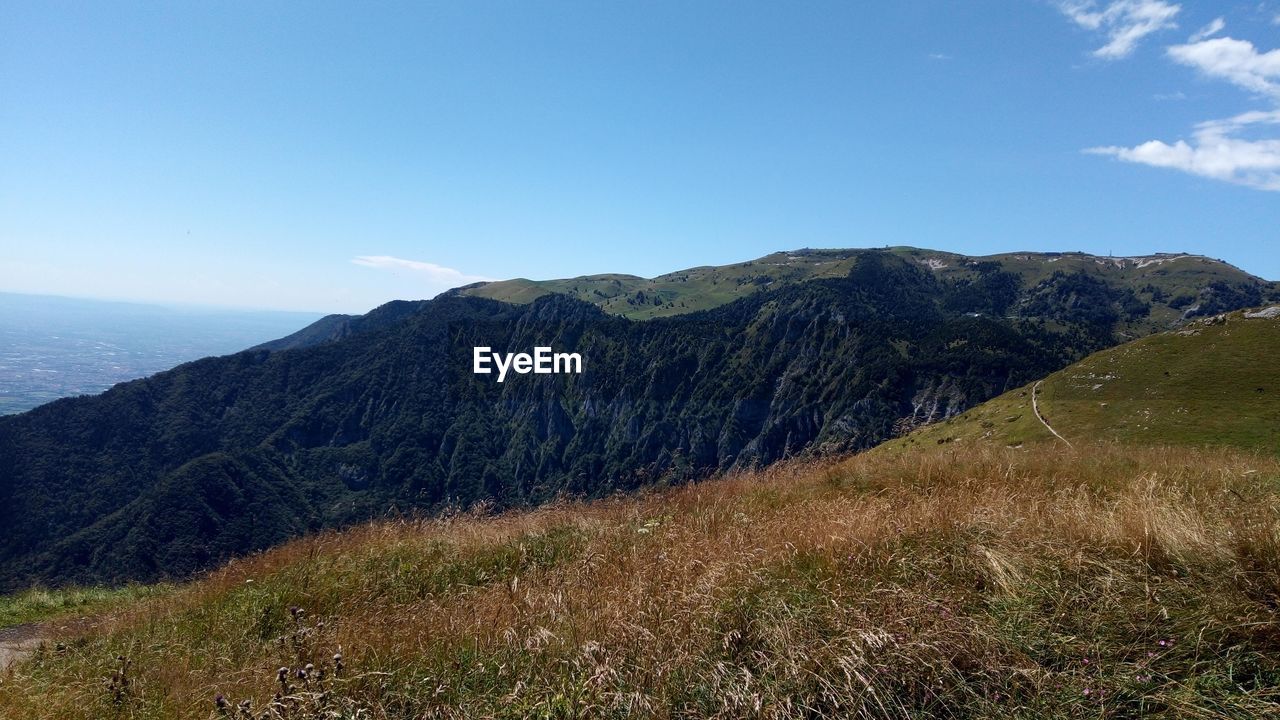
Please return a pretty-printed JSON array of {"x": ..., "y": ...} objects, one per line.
[
  {"x": 992, "y": 582},
  {"x": 1211, "y": 383}
]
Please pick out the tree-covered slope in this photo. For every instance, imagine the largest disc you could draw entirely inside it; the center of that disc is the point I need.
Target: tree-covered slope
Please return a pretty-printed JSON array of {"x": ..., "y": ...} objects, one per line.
[{"x": 166, "y": 475}]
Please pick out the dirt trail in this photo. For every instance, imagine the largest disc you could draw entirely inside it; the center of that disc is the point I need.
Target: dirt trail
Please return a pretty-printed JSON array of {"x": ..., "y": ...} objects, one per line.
[
  {"x": 1035, "y": 406},
  {"x": 18, "y": 641}
]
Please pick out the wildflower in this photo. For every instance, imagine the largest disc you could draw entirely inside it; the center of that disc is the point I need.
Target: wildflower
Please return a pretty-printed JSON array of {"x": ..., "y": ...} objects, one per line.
[{"x": 220, "y": 702}]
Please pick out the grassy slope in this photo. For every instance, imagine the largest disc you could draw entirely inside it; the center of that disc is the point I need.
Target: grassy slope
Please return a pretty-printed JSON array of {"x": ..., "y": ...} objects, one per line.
[
  {"x": 43, "y": 604},
  {"x": 705, "y": 287},
  {"x": 1207, "y": 384},
  {"x": 989, "y": 583},
  {"x": 679, "y": 292}
]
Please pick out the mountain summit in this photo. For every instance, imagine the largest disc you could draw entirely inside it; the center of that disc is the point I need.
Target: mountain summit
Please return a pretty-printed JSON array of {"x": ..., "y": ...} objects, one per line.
[{"x": 1172, "y": 284}]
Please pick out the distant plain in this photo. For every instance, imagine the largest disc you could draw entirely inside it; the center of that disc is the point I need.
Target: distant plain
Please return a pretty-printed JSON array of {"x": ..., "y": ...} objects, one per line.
[{"x": 53, "y": 347}]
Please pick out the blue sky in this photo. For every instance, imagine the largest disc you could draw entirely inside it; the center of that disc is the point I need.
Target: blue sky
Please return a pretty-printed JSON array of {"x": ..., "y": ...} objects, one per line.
[{"x": 330, "y": 157}]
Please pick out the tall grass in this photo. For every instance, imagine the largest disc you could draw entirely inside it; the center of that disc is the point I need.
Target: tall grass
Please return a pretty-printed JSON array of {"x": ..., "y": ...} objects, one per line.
[
  {"x": 1105, "y": 581},
  {"x": 40, "y": 604}
]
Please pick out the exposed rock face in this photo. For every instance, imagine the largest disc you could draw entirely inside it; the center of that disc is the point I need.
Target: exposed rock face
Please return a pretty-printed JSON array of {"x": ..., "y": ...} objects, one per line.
[{"x": 1265, "y": 313}]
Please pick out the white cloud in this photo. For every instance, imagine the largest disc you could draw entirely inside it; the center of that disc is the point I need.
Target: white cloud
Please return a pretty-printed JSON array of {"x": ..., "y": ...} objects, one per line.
[
  {"x": 1244, "y": 149},
  {"x": 1125, "y": 22},
  {"x": 437, "y": 275},
  {"x": 1236, "y": 61},
  {"x": 1208, "y": 31},
  {"x": 1217, "y": 150},
  {"x": 939, "y": 56}
]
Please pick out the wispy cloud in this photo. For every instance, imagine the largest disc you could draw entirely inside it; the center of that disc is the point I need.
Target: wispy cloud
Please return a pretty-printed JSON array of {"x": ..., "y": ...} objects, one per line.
[
  {"x": 1236, "y": 61},
  {"x": 1244, "y": 149},
  {"x": 1125, "y": 22},
  {"x": 438, "y": 275},
  {"x": 1217, "y": 150},
  {"x": 1208, "y": 31},
  {"x": 939, "y": 56}
]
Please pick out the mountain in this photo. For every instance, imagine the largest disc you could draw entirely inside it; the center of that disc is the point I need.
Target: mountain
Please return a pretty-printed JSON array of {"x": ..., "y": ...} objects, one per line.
[
  {"x": 331, "y": 328},
  {"x": 355, "y": 418},
  {"x": 1215, "y": 381},
  {"x": 1156, "y": 290}
]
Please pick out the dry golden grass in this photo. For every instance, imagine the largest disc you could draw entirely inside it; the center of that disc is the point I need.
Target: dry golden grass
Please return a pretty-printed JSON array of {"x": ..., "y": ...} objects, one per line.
[{"x": 985, "y": 583}]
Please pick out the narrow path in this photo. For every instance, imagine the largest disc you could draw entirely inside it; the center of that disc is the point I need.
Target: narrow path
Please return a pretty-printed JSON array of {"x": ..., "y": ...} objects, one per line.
[
  {"x": 17, "y": 642},
  {"x": 1035, "y": 406}
]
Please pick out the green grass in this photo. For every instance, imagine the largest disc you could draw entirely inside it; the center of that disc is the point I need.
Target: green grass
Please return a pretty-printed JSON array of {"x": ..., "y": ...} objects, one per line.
[
  {"x": 1210, "y": 383},
  {"x": 40, "y": 604}
]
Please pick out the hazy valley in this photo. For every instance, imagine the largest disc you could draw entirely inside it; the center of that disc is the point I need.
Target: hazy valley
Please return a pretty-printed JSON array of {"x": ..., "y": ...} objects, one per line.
[{"x": 54, "y": 347}]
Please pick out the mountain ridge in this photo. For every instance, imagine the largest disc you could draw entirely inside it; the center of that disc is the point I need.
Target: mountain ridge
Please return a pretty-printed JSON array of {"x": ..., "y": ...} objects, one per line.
[
  {"x": 687, "y": 290},
  {"x": 168, "y": 475}
]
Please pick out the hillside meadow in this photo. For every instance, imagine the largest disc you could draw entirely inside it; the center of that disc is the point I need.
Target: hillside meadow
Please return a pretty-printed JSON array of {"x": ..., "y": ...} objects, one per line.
[
  {"x": 1042, "y": 581},
  {"x": 1210, "y": 383}
]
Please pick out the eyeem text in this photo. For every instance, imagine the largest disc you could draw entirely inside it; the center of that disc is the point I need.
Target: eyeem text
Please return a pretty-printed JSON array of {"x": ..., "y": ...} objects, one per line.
[{"x": 542, "y": 362}]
